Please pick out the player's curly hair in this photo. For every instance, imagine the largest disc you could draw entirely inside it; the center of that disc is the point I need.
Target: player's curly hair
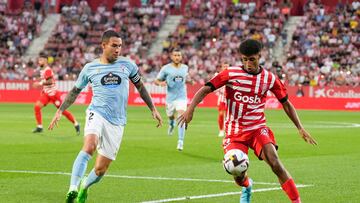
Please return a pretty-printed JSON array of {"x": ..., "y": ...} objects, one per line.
[{"x": 250, "y": 47}]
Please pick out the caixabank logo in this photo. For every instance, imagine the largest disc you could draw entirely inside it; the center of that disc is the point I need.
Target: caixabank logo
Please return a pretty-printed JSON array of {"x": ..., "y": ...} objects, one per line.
[{"x": 111, "y": 80}]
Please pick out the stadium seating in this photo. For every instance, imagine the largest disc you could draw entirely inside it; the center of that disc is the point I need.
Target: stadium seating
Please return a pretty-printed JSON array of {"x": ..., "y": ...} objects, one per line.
[
  {"x": 211, "y": 31},
  {"x": 76, "y": 38},
  {"x": 326, "y": 47},
  {"x": 18, "y": 29}
]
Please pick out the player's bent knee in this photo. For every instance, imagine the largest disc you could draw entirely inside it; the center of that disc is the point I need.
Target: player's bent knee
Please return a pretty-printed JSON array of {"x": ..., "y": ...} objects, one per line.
[
  {"x": 38, "y": 105},
  {"x": 90, "y": 149}
]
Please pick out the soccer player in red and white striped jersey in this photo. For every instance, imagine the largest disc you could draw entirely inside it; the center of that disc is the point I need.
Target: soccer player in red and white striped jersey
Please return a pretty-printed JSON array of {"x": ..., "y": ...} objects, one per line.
[
  {"x": 49, "y": 94},
  {"x": 246, "y": 90}
]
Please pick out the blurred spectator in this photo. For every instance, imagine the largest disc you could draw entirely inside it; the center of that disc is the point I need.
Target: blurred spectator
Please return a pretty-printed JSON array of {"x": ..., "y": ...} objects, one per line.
[
  {"x": 18, "y": 29},
  {"x": 326, "y": 47}
]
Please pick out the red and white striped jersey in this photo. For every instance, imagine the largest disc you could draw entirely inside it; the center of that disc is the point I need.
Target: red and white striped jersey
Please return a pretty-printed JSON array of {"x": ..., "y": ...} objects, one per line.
[
  {"x": 221, "y": 96},
  {"x": 220, "y": 93},
  {"x": 46, "y": 74},
  {"x": 246, "y": 97}
]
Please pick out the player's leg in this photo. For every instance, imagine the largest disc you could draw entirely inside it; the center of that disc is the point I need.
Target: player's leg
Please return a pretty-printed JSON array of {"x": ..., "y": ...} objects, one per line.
[
  {"x": 170, "y": 112},
  {"x": 80, "y": 165},
  {"x": 108, "y": 146},
  {"x": 101, "y": 165},
  {"x": 243, "y": 180},
  {"x": 56, "y": 100},
  {"x": 221, "y": 117},
  {"x": 93, "y": 128},
  {"x": 39, "y": 104},
  {"x": 180, "y": 107},
  {"x": 269, "y": 154}
]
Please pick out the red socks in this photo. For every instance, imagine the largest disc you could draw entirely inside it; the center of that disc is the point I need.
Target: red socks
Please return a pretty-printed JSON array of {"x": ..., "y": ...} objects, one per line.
[
  {"x": 290, "y": 188},
  {"x": 69, "y": 116},
  {"x": 221, "y": 121},
  {"x": 242, "y": 183},
  {"x": 37, "y": 111}
]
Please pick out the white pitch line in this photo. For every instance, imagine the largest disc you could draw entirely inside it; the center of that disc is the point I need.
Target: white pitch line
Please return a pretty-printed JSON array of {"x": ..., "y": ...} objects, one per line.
[
  {"x": 133, "y": 177},
  {"x": 217, "y": 195}
]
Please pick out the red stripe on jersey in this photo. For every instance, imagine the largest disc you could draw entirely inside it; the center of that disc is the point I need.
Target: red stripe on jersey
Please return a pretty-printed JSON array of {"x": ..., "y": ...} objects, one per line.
[
  {"x": 46, "y": 74},
  {"x": 246, "y": 97},
  {"x": 221, "y": 95}
]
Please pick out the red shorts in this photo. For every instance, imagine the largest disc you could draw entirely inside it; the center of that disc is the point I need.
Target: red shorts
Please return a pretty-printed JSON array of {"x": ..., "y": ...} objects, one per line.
[
  {"x": 222, "y": 106},
  {"x": 257, "y": 139},
  {"x": 55, "y": 99}
]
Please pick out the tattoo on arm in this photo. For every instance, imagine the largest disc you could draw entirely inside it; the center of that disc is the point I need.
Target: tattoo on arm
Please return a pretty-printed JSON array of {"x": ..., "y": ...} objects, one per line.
[
  {"x": 144, "y": 94},
  {"x": 70, "y": 98}
]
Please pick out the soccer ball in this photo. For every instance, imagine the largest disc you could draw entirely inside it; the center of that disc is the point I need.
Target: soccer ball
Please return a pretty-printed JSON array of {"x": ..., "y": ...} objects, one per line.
[{"x": 235, "y": 162}]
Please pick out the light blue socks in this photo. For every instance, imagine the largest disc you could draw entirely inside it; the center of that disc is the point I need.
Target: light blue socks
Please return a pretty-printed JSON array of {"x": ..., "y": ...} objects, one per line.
[
  {"x": 91, "y": 179},
  {"x": 79, "y": 169}
]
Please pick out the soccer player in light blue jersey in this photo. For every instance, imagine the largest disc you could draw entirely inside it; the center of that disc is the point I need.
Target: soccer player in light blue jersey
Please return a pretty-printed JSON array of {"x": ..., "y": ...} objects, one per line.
[
  {"x": 174, "y": 76},
  {"x": 109, "y": 77}
]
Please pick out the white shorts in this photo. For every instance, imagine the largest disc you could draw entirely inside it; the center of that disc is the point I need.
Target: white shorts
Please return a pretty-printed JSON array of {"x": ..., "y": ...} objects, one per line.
[
  {"x": 109, "y": 135},
  {"x": 177, "y": 105}
]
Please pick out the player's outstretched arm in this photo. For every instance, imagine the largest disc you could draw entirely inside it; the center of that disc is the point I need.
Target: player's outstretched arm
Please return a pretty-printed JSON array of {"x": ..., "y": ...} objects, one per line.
[
  {"x": 144, "y": 94},
  {"x": 160, "y": 83},
  {"x": 291, "y": 112},
  {"x": 186, "y": 117},
  {"x": 69, "y": 100}
]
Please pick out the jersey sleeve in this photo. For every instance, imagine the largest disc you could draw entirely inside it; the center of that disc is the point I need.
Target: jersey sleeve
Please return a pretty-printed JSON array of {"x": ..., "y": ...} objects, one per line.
[
  {"x": 218, "y": 80},
  {"x": 279, "y": 90},
  {"x": 134, "y": 73},
  {"x": 48, "y": 74},
  {"x": 162, "y": 74},
  {"x": 83, "y": 79}
]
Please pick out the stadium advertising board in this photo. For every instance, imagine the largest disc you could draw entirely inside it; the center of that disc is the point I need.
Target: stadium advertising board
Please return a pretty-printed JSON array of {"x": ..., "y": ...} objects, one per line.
[{"x": 327, "y": 98}]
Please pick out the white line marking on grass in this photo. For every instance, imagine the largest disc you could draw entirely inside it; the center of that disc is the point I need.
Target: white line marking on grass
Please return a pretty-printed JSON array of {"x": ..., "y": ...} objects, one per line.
[
  {"x": 218, "y": 194},
  {"x": 133, "y": 177}
]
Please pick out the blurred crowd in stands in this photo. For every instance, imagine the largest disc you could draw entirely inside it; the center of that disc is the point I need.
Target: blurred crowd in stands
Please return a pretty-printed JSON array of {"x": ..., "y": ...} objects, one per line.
[
  {"x": 18, "y": 29},
  {"x": 211, "y": 31},
  {"x": 325, "y": 47}
]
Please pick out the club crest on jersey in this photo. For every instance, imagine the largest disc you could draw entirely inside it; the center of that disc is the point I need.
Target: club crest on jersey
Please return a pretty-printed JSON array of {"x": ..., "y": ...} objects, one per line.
[
  {"x": 178, "y": 79},
  {"x": 111, "y": 80},
  {"x": 247, "y": 99},
  {"x": 264, "y": 131}
]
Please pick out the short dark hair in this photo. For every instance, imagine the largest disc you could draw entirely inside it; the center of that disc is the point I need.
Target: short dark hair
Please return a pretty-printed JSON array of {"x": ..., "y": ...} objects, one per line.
[
  {"x": 108, "y": 34},
  {"x": 43, "y": 55},
  {"x": 250, "y": 47},
  {"x": 175, "y": 50}
]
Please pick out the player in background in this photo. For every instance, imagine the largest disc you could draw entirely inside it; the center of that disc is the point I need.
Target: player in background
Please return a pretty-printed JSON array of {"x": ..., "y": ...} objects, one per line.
[
  {"x": 221, "y": 103},
  {"x": 246, "y": 90},
  {"x": 49, "y": 94},
  {"x": 174, "y": 76},
  {"x": 109, "y": 77}
]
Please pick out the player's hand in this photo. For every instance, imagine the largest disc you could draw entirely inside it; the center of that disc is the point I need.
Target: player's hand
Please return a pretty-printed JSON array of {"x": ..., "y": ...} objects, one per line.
[
  {"x": 163, "y": 84},
  {"x": 185, "y": 118},
  {"x": 307, "y": 137},
  {"x": 156, "y": 115},
  {"x": 55, "y": 120},
  {"x": 36, "y": 85}
]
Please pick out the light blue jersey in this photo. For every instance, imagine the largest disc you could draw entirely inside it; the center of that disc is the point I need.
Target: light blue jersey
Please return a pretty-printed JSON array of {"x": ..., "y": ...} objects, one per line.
[
  {"x": 110, "y": 87},
  {"x": 175, "y": 79}
]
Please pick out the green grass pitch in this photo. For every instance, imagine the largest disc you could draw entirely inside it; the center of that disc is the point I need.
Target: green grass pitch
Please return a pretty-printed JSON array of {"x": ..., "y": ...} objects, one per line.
[{"x": 36, "y": 167}]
